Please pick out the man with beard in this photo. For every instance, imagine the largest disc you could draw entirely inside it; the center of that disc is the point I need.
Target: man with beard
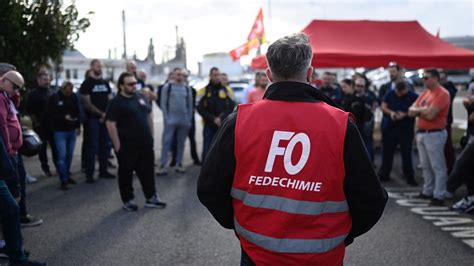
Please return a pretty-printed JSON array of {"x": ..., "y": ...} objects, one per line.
[
  {"x": 192, "y": 130},
  {"x": 129, "y": 128},
  {"x": 328, "y": 87},
  {"x": 214, "y": 106},
  {"x": 96, "y": 93},
  {"x": 261, "y": 85},
  {"x": 140, "y": 76},
  {"x": 396, "y": 75},
  {"x": 176, "y": 102},
  {"x": 36, "y": 107}
]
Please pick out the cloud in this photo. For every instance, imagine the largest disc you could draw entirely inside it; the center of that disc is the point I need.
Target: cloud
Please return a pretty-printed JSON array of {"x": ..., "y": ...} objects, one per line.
[{"x": 221, "y": 25}]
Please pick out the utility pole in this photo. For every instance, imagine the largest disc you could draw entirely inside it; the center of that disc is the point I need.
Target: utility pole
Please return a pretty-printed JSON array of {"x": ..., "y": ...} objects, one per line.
[
  {"x": 124, "y": 56},
  {"x": 177, "y": 36}
]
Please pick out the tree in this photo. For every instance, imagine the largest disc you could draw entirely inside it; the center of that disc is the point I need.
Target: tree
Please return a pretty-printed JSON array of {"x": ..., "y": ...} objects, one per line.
[{"x": 35, "y": 33}]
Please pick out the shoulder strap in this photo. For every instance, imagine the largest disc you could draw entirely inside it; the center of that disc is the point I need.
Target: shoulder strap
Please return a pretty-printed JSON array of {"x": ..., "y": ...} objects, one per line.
[
  {"x": 187, "y": 98},
  {"x": 168, "y": 97}
]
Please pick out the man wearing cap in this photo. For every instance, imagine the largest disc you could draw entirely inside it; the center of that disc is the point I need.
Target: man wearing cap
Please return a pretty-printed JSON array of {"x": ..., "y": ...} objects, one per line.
[{"x": 290, "y": 174}]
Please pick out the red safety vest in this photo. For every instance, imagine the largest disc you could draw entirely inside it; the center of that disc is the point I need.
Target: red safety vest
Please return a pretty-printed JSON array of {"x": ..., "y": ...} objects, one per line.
[{"x": 288, "y": 197}]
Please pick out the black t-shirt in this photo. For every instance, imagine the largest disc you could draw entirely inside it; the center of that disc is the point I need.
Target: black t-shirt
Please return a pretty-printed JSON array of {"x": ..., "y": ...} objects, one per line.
[
  {"x": 98, "y": 90},
  {"x": 131, "y": 116}
]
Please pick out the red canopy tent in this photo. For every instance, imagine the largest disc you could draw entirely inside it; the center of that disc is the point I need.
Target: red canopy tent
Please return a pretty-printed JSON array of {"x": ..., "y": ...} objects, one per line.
[{"x": 365, "y": 43}]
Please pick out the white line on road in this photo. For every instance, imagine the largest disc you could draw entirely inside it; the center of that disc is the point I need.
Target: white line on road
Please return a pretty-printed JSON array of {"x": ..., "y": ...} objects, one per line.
[{"x": 442, "y": 217}]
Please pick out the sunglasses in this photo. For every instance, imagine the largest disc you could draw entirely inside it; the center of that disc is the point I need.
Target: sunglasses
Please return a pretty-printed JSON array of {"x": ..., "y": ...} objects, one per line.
[
  {"x": 131, "y": 84},
  {"x": 359, "y": 86},
  {"x": 425, "y": 78},
  {"x": 15, "y": 87}
]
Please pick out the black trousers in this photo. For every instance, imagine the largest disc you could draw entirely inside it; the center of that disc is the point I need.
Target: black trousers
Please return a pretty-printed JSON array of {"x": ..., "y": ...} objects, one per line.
[
  {"x": 85, "y": 139},
  {"x": 392, "y": 137},
  {"x": 463, "y": 170},
  {"x": 46, "y": 137},
  {"x": 140, "y": 160},
  {"x": 449, "y": 153}
]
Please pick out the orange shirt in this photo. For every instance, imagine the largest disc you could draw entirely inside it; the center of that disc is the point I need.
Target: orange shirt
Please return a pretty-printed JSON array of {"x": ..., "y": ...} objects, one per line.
[
  {"x": 439, "y": 98},
  {"x": 255, "y": 95}
]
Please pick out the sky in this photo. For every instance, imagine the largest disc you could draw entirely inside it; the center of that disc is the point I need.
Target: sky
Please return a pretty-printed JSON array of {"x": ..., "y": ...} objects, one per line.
[{"x": 221, "y": 25}]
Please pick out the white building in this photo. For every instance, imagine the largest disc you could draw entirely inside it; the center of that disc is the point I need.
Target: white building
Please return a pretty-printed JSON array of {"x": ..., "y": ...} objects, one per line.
[
  {"x": 224, "y": 62},
  {"x": 75, "y": 65}
]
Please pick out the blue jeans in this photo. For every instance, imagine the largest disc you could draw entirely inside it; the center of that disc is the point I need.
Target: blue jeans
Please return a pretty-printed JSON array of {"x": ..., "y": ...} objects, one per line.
[
  {"x": 208, "y": 135},
  {"x": 64, "y": 142},
  {"x": 169, "y": 131},
  {"x": 97, "y": 144},
  {"x": 10, "y": 220},
  {"x": 17, "y": 163}
]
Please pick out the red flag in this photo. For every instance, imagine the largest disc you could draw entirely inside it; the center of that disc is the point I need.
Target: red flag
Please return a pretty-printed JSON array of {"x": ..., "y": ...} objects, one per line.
[
  {"x": 257, "y": 30},
  {"x": 254, "y": 40},
  {"x": 239, "y": 51}
]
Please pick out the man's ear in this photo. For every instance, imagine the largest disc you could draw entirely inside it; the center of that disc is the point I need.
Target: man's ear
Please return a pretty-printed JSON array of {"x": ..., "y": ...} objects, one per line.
[
  {"x": 309, "y": 74},
  {"x": 269, "y": 75}
]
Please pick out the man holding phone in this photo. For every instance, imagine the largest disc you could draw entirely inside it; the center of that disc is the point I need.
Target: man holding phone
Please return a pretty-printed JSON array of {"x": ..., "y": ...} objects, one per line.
[{"x": 63, "y": 109}]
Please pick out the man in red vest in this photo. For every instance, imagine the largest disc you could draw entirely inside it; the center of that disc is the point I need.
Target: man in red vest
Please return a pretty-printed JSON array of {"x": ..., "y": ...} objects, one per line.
[{"x": 290, "y": 174}]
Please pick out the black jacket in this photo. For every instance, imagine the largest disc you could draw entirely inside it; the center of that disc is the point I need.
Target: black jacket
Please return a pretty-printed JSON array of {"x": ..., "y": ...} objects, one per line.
[
  {"x": 60, "y": 105},
  {"x": 364, "y": 194},
  {"x": 37, "y": 103},
  {"x": 214, "y": 101}
]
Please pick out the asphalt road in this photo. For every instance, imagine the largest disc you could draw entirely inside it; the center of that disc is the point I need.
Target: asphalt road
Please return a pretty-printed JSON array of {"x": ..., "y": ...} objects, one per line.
[{"x": 86, "y": 226}]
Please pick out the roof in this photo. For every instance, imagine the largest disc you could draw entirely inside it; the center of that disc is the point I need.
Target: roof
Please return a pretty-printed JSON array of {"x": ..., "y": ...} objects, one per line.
[
  {"x": 73, "y": 53},
  {"x": 368, "y": 43}
]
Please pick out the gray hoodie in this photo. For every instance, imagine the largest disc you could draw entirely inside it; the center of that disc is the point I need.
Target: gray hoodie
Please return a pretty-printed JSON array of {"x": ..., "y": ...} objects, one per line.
[{"x": 176, "y": 104}]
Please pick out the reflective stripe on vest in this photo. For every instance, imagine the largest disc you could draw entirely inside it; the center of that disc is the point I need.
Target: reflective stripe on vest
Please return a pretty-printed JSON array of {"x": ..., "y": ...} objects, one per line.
[
  {"x": 288, "y": 188},
  {"x": 290, "y": 245},
  {"x": 289, "y": 205}
]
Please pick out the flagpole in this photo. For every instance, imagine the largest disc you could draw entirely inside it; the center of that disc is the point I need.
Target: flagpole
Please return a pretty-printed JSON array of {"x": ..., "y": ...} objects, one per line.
[{"x": 269, "y": 9}]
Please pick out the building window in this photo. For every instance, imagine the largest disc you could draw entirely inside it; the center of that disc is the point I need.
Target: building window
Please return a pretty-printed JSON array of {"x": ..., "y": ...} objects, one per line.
[
  {"x": 68, "y": 74},
  {"x": 74, "y": 74}
]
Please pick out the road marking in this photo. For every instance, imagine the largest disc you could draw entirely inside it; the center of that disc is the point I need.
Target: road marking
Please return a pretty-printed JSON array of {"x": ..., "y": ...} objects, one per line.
[{"x": 458, "y": 225}]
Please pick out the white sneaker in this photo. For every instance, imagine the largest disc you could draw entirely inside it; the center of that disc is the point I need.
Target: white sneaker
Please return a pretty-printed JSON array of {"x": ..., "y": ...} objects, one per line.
[
  {"x": 162, "y": 171},
  {"x": 180, "y": 169},
  {"x": 465, "y": 205},
  {"x": 30, "y": 179}
]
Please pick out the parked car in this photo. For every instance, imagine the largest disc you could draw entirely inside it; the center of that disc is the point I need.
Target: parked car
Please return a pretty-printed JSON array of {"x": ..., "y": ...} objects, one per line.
[{"x": 238, "y": 87}]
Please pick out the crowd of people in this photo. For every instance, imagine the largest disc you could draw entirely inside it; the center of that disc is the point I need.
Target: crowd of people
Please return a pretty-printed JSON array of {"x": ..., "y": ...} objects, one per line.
[
  {"x": 121, "y": 125},
  {"x": 408, "y": 118}
]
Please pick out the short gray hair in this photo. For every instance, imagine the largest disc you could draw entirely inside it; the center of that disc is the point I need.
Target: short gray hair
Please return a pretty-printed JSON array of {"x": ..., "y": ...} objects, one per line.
[
  {"x": 290, "y": 56},
  {"x": 5, "y": 67}
]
